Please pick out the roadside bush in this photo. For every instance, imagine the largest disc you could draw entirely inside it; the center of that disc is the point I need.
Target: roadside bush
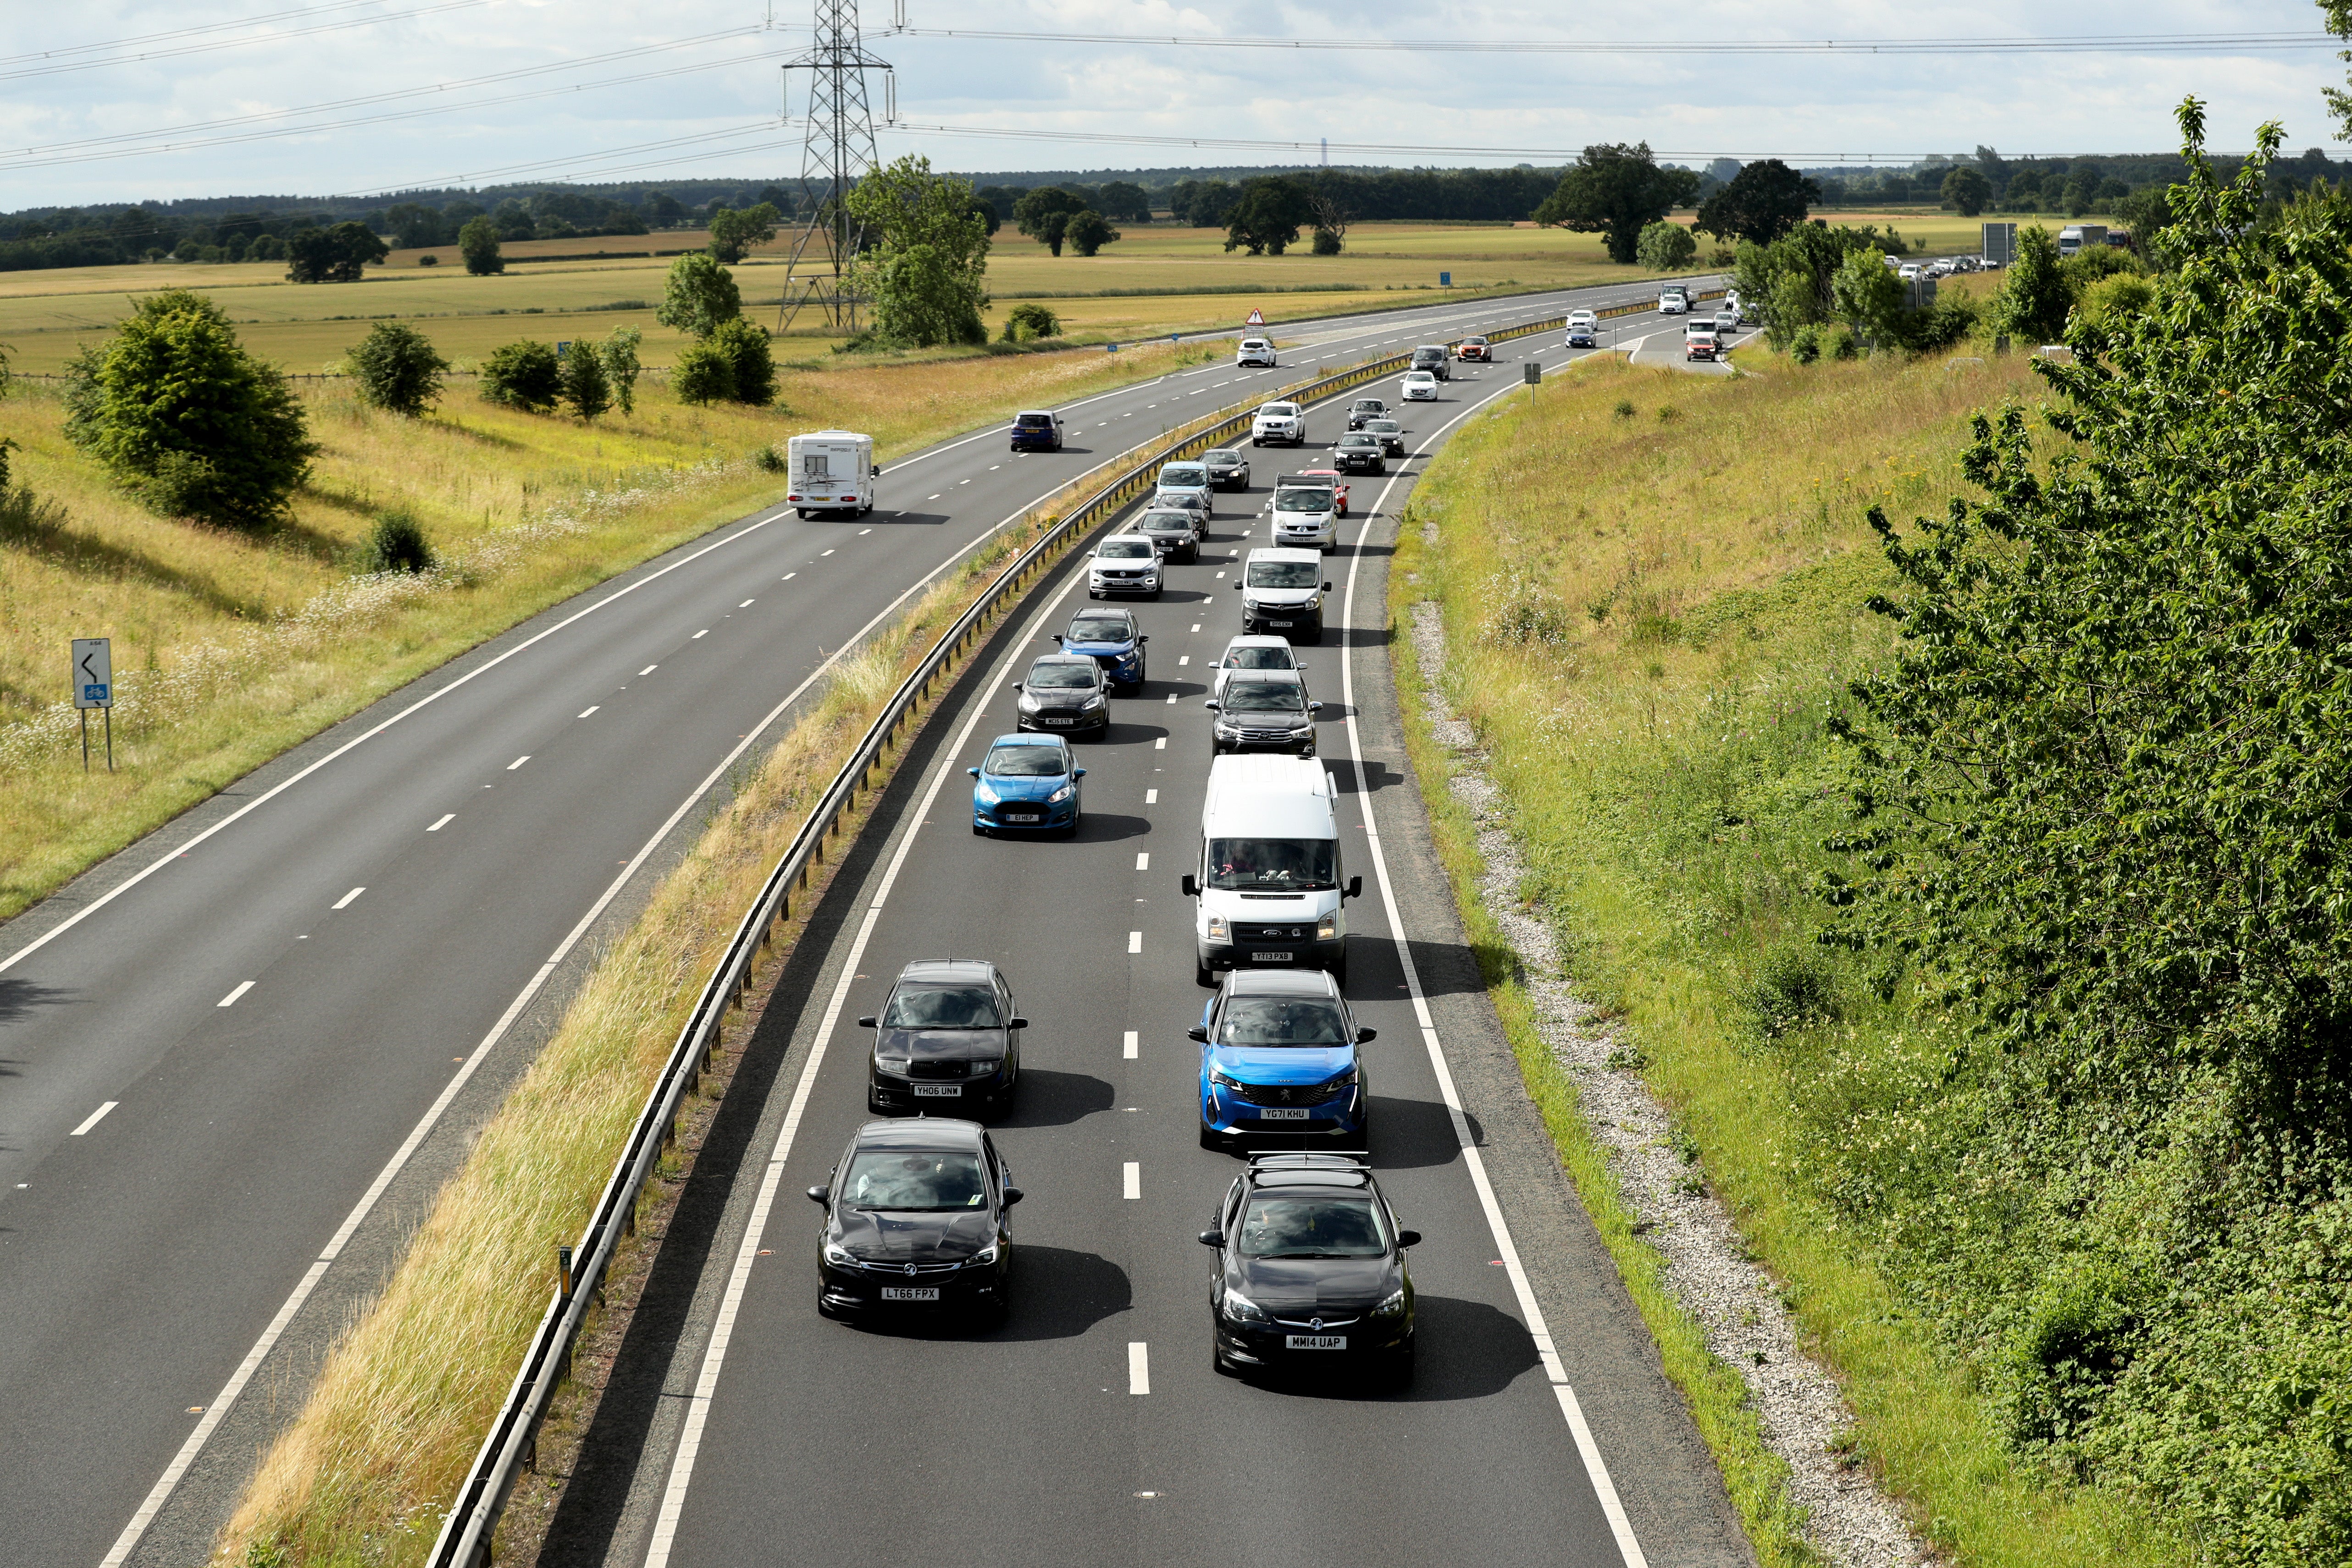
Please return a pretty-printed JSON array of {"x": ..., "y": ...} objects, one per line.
[
  {"x": 397, "y": 369},
  {"x": 1940, "y": 325},
  {"x": 1326, "y": 242},
  {"x": 397, "y": 544},
  {"x": 734, "y": 364},
  {"x": 1665, "y": 247},
  {"x": 2115, "y": 300},
  {"x": 1840, "y": 344},
  {"x": 1529, "y": 612},
  {"x": 1028, "y": 321},
  {"x": 523, "y": 374},
  {"x": 586, "y": 389},
  {"x": 1805, "y": 343},
  {"x": 698, "y": 296}
]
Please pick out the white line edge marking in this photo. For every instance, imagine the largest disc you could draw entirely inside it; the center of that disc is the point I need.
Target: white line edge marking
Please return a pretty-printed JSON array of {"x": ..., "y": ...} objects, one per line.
[
  {"x": 1595, "y": 1469},
  {"x": 95, "y": 1118},
  {"x": 1130, "y": 1180},
  {"x": 230, "y": 1000},
  {"x": 345, "y": 902},
  {"x": 722, "y": 1329},
  {"x": 1139, "y": 1367},
  {"x": 1128, "y": 1048},
  {"x": 446, "y": 819}
]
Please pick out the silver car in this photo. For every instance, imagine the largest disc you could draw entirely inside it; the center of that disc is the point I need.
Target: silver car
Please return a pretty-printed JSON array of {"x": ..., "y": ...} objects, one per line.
[
  {"x": 1187, "y": 501},
  {"x": 1177, "y": 479}
]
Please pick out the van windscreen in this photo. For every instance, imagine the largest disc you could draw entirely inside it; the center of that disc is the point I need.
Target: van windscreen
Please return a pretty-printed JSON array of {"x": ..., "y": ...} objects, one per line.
[{"x": 1272, "y": 865}]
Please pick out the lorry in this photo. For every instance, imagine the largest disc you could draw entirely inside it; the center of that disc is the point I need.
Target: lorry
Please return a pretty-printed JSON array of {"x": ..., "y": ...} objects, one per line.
[
  {"x": 1269, "y": 882},
  {"x": 831, "y": 470},
  {"x": 2077, "y": 236}
]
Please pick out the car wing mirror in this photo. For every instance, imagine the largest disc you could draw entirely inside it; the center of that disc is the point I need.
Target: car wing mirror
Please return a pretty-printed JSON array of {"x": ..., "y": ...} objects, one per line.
[
  {"x": 1408, "y": 1239},
  {"x": 1365, "y": 1037},
  {"x": 1140, "y": 641},
  {"x": 867, "y": 1022},
  {"x": 1020, "y": 1023},
  {"x": 1198, "y": 1031},
  {"x": 819, "y": 1194},
  {"x": 1356, "y": 887},
  {"x": 973, "y": 772},
  {"x": 1209, "y": 702},
  {"x": 1327, "y": 586},
  {"x": 1017, "y": 685},
  {"x": 1078, "y": 773},
  {"x": 1057, "y": 639},
  {"x": 1014, "y": 1195},
  {"x": 878, "y": 470},
  {"x": 1311, "y": 707},
  {"x": 1213, "y": 1239},
  {"x": 1191, "y": 886}
]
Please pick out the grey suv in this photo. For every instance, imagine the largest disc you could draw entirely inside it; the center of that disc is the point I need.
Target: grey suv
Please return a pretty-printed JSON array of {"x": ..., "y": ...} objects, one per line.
[{"x": 949, "y": 1039}]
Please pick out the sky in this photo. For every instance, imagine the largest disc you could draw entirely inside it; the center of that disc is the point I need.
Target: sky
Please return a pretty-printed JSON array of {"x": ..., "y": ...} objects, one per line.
[{"x": 387, "y": 95}]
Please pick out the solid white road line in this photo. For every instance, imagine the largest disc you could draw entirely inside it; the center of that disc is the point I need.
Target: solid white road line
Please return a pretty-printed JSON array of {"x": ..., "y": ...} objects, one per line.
[
  {"x": 1130, "y": 1178},
  {"x": 446, "y": 819},
  {"x": 230, "y": 1000},
  {"x": 1128, "y": 1048},
  {"x": 1139, "y": 1367},
  {"x": 1143, "y": 860},
  {"x": 518, "y": 762},
  {"x": 345, "y": 902},
  {"x": 1135, "y": 941},
  {"x": 591, "y": 709},
  {"x": 95, "y": 1118},
  {"x": 1595, "y": 1469}
]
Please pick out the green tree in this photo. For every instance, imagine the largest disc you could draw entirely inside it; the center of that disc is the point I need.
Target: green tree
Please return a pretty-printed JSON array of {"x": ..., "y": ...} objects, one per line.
[
  {"x": 2146, "y": 212},
  {"x": 585, "y": 385},
  {"x": 1868, "y": 296},
  {"x": 619, "y": 353},
  {"x": 332, "y": 255},
  {"x": 1028, "y": 321},
  {"x": 2035, "y": 293},
  {"x": 478, "y": 242},
  {"x": 1045, "y": 213},
  {"x": 1793, "y": 306},
  {"x": 732, "y": 232},
  {"x": 1666, "y": 247},
  {"x": 1762, "y": 202},
  {"x": 1124, "y": 200},
  {"x": 183, "y": 419},
  {"x": 1967, "y": 190},
  {"x": 523, "y": 374},
  {"x": 1088, "y": 232},
  {"x": 1616, "y": 190},
  {"x": 1266, "y": 219},
  {"x": 733, "y": 364},
  {"x": 699, "y": 295},
  {"x": 926, "y": 268},
  {"x": 397, "y": 369},
  {"x": 1325, "y": 243}
]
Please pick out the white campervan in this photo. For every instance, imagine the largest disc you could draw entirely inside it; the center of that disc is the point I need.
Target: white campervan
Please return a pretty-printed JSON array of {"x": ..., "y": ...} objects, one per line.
[
  {"x": 1269, "y": 881},
  {"x": 832, "y": 470}
]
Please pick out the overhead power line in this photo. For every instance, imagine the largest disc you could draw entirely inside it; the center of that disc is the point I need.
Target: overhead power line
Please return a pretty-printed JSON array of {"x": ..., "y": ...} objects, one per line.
[
  {"x": 60, "y": 65},
  {"x": 69, "y": 50},
  {"x": 2076, "y": 44}
]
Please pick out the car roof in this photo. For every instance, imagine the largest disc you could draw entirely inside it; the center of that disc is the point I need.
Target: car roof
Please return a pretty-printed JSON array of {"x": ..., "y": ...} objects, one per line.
[
  {"x": 1022, "y": 739},
  {"x": 1109, "y": 539},
  {"x": 1280, "y": 983},
  {"x": 1174, "y": 513},
  {"x": 949, "y": 970},
  {"x": 1036, "y": 414},
  {"x": 1258, "y": 639},
  {"x": 1077, "y": 659},
  {"x": 1268, "y": 676},
  {"x": 1103, "y": 613},
  {"x": 1282, "y": 553},
  {"x": 919, "y": 1133},
  {"x": 1221, "y": 452}
]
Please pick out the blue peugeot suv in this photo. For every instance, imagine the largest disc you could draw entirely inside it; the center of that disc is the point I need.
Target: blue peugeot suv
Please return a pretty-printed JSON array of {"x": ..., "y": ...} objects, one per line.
[
  {"x": 1027, "y": 783},
  {"x": 1278, "y": 1061},
  {"x": 1109, "y": 637}
]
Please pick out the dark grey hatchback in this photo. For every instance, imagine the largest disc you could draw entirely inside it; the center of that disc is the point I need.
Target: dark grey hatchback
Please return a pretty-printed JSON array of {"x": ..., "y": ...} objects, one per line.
[
  {"x": 1310, "y": 1270},
  {"x": 948, "y": 1040},
  {"x": 916, "y": 1221}
]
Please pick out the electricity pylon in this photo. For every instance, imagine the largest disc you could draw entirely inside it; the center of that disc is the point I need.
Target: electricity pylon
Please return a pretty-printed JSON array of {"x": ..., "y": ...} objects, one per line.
[{"x": 837, "y": 151}]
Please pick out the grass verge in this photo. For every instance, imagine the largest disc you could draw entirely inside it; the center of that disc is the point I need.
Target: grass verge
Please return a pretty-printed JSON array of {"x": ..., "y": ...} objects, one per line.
[{"x": 1652, "y": 587}]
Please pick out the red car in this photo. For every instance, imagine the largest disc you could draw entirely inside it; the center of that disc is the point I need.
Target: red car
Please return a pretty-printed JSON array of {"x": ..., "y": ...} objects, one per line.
[
  {"x": 1339, "y": 485},
  {"x": 1475, "y": 348}
]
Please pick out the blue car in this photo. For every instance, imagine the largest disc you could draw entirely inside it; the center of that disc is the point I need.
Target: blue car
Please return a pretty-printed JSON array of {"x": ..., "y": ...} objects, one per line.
[
  {"x": 1109, "y": 637},
  {"x": 1278, "y": 1063},
  {"x": 1027, "y": 783}
]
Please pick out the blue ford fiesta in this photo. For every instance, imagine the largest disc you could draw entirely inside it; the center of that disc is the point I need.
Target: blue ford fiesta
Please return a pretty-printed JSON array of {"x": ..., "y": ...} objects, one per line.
[
  {"x": 1027, "y": 783},
  {"x": 1111, "y": 639},
  {"x": 1278, "y": 1062}
]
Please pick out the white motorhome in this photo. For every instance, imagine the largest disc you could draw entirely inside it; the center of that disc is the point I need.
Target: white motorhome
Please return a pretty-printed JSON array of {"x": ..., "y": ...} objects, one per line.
[
  {"x": 832, "y": 470},
  {"x": 1269, "y": 881}
]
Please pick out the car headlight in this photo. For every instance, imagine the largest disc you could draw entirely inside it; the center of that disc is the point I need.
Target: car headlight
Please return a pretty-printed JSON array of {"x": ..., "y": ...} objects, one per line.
[
  {"x": 1343, "y": 1080},
  {"x": 1026, "y": 703},
  {"x": 1218, "y": 930},
  {"x": 982, "y": 793},
  {"x": 1390, "y": 1304},
  {"x": 984, "y": 1068},
  {"x": 894, "y": 1064},
  {"x": 837, "y": 1253},
  {"x": 1091, "y": 703},
  {"x": 1328, "y": 926},
  {"x": 1242, "y": 1309},
  {"x": 1223, "y": 1080},
  {"x": 1061, "y": 794},
  {"x": 987, "y": 1255}
]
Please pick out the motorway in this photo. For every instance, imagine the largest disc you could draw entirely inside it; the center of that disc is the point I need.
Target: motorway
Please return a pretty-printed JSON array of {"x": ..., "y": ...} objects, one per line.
[
  {"x": 739, "y": 1428},
  {"x": 238, "y": 1059}
]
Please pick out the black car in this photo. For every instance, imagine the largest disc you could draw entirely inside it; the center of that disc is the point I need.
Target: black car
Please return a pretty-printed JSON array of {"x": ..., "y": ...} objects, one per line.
[
  {"x": 1171, "y": 531},
  {"x": 948, "y": 1040},
  {"x": 1359, "y": 452},
  {"x": 1228, "y": 467},
  {"x": 1365, "y": 408},
  {"x": 1264, "y": 710},
  {"x": 915, "y": 1222},
  {"x": 1391, "y": 434},
  {"x": 1064, "y": 694},
  {"x": 1310, "y": 1270}
]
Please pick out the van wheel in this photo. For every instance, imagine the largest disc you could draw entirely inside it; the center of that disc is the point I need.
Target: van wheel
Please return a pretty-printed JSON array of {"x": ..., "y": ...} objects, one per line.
[
  {"x": 1203, "y": 975},
  {"x": 804, "y": 511}
]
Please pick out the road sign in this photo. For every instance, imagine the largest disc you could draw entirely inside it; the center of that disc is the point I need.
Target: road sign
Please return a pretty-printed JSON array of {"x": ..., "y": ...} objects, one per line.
[
  {"x": 93, "y": 672},
  {"x": 1445, "y": 280},
  {"x": 1532, "y": 371},
  {"x": 1256, "y": 318}
]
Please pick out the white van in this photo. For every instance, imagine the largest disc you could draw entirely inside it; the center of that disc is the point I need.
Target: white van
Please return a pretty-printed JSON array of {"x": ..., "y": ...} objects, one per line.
[
  {"x": 832, "y": 470},
  {"x": 1269, "y": 882}
]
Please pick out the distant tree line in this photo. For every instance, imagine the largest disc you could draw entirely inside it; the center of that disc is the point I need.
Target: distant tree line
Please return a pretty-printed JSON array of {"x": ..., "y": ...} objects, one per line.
[{"x": 1986, "y": 182}]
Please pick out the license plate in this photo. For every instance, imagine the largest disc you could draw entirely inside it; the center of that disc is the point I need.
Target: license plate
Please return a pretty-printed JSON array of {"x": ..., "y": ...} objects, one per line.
[
  {"x": 931, "y": 1293},
  {"x": 1269, "y": 958},
  {"x": 1279, "y": 1113},
  {"x": 1061, "y": 720},
  {"x": 1023, "y": 817},
  {"x": 938, "y": 1090},
  {"x": 1315, "y": 1341},
  {"x": 1280, "y": 623}
]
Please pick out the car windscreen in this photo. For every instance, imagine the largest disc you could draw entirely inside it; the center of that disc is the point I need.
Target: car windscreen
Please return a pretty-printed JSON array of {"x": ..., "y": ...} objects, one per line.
[
  {"x": 1285, "y": 1225},
  {"x": 1384, "y": 428},
  {"x": 1036, "y": 422},
  {"x": 1282, "y": 574},
  {"x": 1302, "y": 500},
  {"x": 1293, "y": 864},
  {"x": 1183, "y": 474},
  {"x": 1025, "y": 762},
  {"x": 1358, "y": 440},
  {"x": 1281, "y": 1021},
  {"x": 922, "y": 1181},
  {"x": 1369, "y": 405},
  {"x": 1102, "y": 628},
  {"x": 1264, "y": 697},
  {"x": 1060, "y": 677},
  {"x": 1124, "y": 549},
  {"x": 1280, "y": 410},
  {"x": 942, "y": 1008},
  {"x": 1165, "y": 522},
  {"x": 1225, "y": 457},
  {"x": 1259, "y": 658}
]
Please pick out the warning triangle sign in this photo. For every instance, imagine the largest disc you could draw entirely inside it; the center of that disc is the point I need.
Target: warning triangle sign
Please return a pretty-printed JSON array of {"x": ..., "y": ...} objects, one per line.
[{"x": 1256, "y": 318}]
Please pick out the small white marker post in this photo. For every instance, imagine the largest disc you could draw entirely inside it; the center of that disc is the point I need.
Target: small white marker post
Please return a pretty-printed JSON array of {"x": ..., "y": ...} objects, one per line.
[{"x": 93, "y": 687}]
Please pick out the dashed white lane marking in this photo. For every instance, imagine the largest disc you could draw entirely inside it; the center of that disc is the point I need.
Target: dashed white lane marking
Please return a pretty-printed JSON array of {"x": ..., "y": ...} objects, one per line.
[
  {"x": 993, "y": 466},
  {"x": 590, "y": 709},
  {"x": 1130, "y": 1180},
  {"x": 345, "y": 902},
  {"x": 1129, "y": 1049},
  {"x": 518, "y": 761},
  {"x": 1172, "y": 697},
  {"x": 1151, "y": 797},
  {"x": 230, "y": 1000},
  {"x": 703, "y": 632},
  {"x": 864, "y": 532},
  {"x": 1221, "y": 574},
  {"x": 446, "y": 817},
  {"x": 1142, "y": 863},
  {"x": 1134, "y": 944},
  {"x": 648, "y": 670},
  {"x": 822, "y": 553},
  {"x": 1196, "y": 626},
  {"x": 933, "y": 498},
  {"x": 1160, "y": 744},
  {"x": 1184, "y": 661},
  {"x": 787, "y": 577},
  {"x": 95, "y": 1118},
  {"x": 1139, "y": 1367},
  {"x": 747, "y": 604}
]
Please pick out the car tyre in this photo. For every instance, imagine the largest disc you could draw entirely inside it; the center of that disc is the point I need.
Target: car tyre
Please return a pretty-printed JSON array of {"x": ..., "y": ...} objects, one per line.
[
  {"x": 1400, "y": 1368},
  {"x": 1217, "y": 1361},
  {"x": 1209, "y": 1139},
  {"x": 1203, "y": 975},
  {"x": 804, "y": 511},
  {"x": 978, "y": 831}
]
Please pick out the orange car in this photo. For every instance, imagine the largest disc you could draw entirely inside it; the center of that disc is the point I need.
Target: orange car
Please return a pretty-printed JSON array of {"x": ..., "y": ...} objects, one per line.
[
  {"x": 1475, "y": 348},
  {"x": 1339, "y": 485}
]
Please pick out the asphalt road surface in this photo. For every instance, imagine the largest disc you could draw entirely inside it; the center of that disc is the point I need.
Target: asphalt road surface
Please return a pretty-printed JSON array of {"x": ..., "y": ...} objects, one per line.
[
  {"x": 236, "y": 1060},
  {"x": 739, "y": 1428}
]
